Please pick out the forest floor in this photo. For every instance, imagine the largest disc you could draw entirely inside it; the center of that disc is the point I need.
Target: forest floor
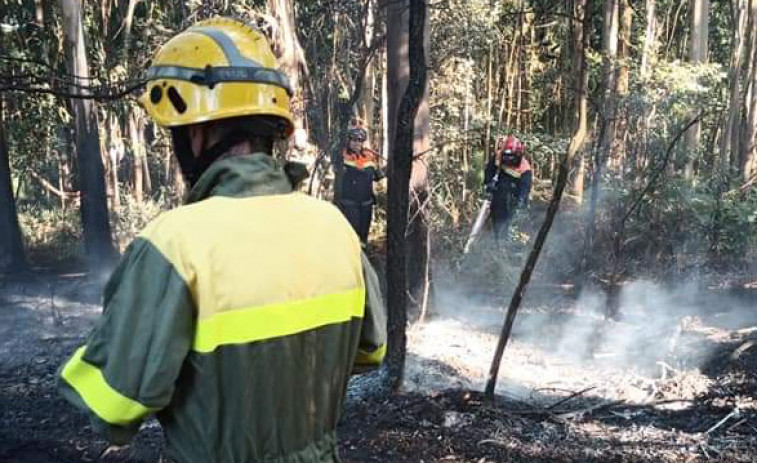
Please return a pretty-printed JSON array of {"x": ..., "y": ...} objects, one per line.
[{"x": 676, "y": 387}]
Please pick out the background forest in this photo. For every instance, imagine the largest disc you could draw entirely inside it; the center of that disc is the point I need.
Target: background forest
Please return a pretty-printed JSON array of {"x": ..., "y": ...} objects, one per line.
[{"x": 644, "y": 197}]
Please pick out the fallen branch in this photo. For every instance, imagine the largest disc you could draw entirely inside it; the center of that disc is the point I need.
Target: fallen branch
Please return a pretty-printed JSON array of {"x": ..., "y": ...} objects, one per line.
[
  {"x": 51, "y": 188},
  {"x": 736, "y": 412},
  {"x": 596, "y": 407},
  {"x": 741, "y": 349},
  {"x": 571, "y": 397}
]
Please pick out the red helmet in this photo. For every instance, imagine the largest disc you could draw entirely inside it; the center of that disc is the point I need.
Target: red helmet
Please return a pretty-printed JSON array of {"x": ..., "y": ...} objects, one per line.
[
  {"x": 511, "y": 151},
  {"x": 512, "y": 145}
]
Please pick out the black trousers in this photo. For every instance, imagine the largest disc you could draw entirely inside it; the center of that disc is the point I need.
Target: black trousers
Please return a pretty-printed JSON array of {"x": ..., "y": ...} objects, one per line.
[
  {"x": 504, "y": 204},
  {"x": 359, "y": 215}
]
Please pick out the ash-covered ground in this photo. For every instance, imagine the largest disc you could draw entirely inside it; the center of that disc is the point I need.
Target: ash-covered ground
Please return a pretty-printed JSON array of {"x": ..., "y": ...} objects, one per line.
[{"x": 674, "y": 380}]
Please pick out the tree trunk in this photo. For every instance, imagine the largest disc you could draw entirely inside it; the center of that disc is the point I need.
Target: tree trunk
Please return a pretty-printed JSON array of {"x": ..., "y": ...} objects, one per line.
[
  {"x": 94, "y": 207},
  {"x": 11, "y": 247},
  {"x": 570, "y": 60},
  {"x": 369, "y": 81},
  {"x": 290, "y": 54},
  {"x": 598, "y": 161},
  {"x": 576, "y": 142},
  {"x": 609, "y": 85},
  {"x": 699, "y": 23},
  {"x": 136, "y": 156},
  {"x": 399, "y": 184},
  {"x": 489, "y": 85},
  {"x": 729, "y": 143},
  {"x": 650, "y": 39},
  {"x": 623, "y": 81},
  {"x": 417, "y": 233},
  {"x": 114, "y": 148},
  {"x": 385, "y": 121},
  {"x": 749, "y": 147}
]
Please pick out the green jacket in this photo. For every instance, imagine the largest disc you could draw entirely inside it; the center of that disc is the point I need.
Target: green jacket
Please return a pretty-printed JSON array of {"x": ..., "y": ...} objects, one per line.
[{"x": 236, "y": 319}]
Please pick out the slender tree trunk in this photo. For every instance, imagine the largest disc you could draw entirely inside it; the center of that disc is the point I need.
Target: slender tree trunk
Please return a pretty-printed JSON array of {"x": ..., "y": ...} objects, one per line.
[
  {"x": 699, "y": 23},
  {"x": 623, "y": 81},
  {"x": 489, "y": 85},
  {"x": 94, "y": 206},
  {"x": 369, "y": 81},
  {"x": 650, "y": 39},
  {"x": 574, "y": 65},
  {"x": 729, "y": 143},
  {"x": 598, "y": 161},
  {"x": 749, "y": 147},
  {"x": 385, "y": 107},
  {"x": 291, "y": 56},
  {"x": 609, "y": 81},
  {"x": 136, "y": 155},
  {"x": 399, "y": 186},
  {"x": 11, "y": 248},
  {"x": 114, "y": 148}
]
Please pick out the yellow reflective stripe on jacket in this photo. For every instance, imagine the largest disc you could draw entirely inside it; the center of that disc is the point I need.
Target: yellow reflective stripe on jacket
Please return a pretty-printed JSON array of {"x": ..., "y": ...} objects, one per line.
[
  {"x": 107, "y": 403},
  {"x": 371, "y": 358},
  {"x": 276, "y": 320}
]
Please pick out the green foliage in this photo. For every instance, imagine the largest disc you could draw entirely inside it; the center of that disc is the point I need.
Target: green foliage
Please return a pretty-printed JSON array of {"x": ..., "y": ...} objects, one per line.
[
  {"x": 51, "y": 235},
  {"x": 133, "y": 217}
]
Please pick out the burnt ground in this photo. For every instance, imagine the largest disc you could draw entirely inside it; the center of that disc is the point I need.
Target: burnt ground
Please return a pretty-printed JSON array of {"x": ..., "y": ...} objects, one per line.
[{"x": 676, "y": 417}]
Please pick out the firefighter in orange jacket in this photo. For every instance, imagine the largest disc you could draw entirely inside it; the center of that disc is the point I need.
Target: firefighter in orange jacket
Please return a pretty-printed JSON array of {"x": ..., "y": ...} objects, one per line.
[
  {"x": 508, "y": 178},
  {"x": 358, "y": 169}
]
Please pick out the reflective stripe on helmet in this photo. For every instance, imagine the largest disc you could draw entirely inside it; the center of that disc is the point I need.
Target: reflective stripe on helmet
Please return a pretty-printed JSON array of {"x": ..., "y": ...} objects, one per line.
[
  {"x": 214, "y": 75},
  {"x": 227, "y": 45}
]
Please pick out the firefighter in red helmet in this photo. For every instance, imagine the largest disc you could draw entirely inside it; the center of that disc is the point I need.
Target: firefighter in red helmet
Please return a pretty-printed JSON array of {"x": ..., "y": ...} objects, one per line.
[{"x": 508, "y": 178}]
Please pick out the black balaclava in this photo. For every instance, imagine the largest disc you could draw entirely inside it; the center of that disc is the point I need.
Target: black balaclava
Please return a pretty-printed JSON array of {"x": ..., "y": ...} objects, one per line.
[{"x": 238, "y": 130}]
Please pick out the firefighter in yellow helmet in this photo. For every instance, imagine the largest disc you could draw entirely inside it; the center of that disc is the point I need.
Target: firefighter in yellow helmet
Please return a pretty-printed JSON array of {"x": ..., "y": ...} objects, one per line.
[{"x": 237, "y": 318}]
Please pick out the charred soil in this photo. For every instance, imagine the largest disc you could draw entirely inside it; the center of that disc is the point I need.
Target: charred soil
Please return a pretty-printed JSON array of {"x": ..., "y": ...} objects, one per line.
[{"x": 682, "y": 416}]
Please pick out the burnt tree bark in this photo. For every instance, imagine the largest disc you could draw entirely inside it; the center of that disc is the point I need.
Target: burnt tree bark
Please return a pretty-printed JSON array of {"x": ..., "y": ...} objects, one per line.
[
  {"x": 11, "y": 247},
  {"x": 399, "y": 189},
  {"x": 418, "y": 274},
  {"x": 94, "y": 203}
]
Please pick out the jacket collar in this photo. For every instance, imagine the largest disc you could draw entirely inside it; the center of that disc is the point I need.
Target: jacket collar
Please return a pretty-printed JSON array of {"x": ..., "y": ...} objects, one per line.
[{"x": 255, "y": 174}]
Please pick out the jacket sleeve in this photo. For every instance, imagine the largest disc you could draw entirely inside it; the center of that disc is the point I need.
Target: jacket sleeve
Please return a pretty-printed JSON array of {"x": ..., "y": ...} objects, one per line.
[
  {"x": 372, "y": 346},
  {"x": 490, "y": 170},
  {"x": 132, "y": 358}
]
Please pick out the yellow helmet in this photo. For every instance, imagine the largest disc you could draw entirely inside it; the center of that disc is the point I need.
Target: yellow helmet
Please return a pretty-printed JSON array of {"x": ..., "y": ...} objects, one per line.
[{"x": 219, "y": 68}]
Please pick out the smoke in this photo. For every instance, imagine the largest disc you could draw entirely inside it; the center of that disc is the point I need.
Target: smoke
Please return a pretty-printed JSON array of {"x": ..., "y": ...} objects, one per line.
[{"x": 659, "y": 328}]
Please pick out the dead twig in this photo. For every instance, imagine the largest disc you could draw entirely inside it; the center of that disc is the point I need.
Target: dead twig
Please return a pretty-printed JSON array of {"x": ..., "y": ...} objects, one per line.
[
  {"x": 588, "y": 410},
  {"x": 741, "y": 349},
  {"x": 736, "y": 412},
  {"x": 571, "y": 397},
  {"x": 736, "y": 425}
]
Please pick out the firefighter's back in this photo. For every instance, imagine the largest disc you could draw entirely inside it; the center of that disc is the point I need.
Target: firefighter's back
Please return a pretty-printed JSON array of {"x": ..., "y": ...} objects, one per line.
[{"x": 278, "y": 286}]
